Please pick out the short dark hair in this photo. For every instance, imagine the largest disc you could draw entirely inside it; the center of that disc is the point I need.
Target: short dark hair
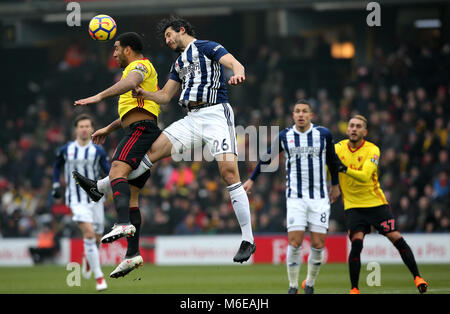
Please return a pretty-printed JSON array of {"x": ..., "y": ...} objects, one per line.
[
  {"x": 133, "y": 40},
  {"x": 83, "y": 116},
  {"x": 176, "y": 23},
  {"x": 303, "y": 102}
]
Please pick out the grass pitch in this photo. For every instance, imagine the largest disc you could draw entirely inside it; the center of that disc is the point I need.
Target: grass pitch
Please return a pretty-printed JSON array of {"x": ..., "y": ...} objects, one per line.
[{"x": 236, "y": 279}]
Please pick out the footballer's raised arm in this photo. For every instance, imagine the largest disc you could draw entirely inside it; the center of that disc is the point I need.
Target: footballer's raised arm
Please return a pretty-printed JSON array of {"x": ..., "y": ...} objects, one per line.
[
  {"x": 230, "y": 62},
  {"x": 129, "y": 83},
  {"x": 162, "y": 96}
]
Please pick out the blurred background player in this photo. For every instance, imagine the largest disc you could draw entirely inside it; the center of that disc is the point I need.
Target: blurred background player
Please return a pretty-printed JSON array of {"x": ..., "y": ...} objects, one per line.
[
  {"x": 308, "y": 149},
  {"x": 199, "y": 71},
  {"x": 139, "y": 119},
  {"x": 88, "y": 158},
  {"x": 364, "y": 202}
]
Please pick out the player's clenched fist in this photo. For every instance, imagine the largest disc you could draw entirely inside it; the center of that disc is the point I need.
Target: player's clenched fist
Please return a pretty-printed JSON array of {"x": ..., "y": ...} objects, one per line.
[
  {"x": 236, "y": 79},
  {"x": 248, "y": 186},
  {"x": 138, "y": 92}
]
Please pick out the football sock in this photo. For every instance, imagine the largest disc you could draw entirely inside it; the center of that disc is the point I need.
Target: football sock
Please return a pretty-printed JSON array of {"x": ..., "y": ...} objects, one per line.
[
  {"x": 103, "y": 185},
  {"x": 241, "y": 207},
  {"x": 121, "y": 196},
  {"x": 91, "y": 252},
  {"x": 354, "y": 262},
  {"x": 407, "y": 256},
  {"x": 293, "y": 263},
  {"x": 133, "y": 242},
  {"x": 145, "y": 165},
  {"x": 314, "y": 263}
]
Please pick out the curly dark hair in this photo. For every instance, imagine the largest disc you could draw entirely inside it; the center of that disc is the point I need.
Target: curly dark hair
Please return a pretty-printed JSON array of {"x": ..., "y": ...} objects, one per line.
[{"x": 176, "y": 23}]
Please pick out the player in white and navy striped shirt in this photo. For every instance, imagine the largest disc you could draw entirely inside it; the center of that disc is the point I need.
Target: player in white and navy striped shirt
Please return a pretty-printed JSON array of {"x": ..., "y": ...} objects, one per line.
[
  {"x": 199, "y": 73},
  {"x": 88, "y": 158},
  {"x": 308, "y": 149}
]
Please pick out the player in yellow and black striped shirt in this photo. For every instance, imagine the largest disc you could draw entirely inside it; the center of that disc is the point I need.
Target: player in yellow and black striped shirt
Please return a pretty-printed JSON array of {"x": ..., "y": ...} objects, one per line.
[{"x": 364, "y": 201}]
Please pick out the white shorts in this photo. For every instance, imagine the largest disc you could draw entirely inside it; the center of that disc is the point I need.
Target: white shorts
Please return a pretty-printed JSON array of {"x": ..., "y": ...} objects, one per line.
[
  {"x": 213, "y": 126},
  {"x": 93, "y": 213},
  {"x": 307, "y": 212}
]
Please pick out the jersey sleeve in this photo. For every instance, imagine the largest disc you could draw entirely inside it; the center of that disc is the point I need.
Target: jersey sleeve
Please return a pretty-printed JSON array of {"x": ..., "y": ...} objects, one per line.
[
  {"x": 59, "y": 163},
  {"x": 213, "y": 50},
  {"x": 272, "y": 152},
  {"x": 369, "y": 167},
  {"x": 103, "y": 160},
  {"x": 174, "y": 74},
  {"x": 140, "y": 67},
  {"x": 332, "y": 160}
]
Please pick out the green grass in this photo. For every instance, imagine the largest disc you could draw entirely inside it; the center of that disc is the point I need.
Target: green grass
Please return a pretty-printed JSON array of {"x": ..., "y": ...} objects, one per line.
[{"x": 236, "y": 279}]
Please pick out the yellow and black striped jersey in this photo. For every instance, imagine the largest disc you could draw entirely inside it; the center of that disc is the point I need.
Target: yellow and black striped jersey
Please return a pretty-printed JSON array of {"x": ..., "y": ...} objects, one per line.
[{"x": 359, "y": 185}]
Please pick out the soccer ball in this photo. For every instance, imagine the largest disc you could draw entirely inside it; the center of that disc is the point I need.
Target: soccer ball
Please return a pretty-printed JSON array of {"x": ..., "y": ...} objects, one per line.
[{"x": 102, "y": 27}]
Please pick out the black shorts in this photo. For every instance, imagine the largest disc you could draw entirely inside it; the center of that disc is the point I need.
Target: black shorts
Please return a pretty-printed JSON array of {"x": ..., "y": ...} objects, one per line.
[
  {"x": 360, "y": 219},
  {"x": 138, "y": 139}
]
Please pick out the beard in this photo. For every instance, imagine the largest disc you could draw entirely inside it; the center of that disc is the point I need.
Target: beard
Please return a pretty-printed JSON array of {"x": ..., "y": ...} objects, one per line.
[{"x": 354, "y": 139}]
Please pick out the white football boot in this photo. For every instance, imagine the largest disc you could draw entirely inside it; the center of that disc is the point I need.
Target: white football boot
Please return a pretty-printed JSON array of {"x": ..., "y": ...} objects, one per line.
[
  {"x": 126, "y": 266},
  {"x": 101, "y": 284},
  {"x": 119, "y": 231}
]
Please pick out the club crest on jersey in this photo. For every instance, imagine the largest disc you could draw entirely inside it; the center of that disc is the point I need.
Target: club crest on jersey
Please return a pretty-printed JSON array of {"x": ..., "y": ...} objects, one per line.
[{"x": 375, "y": 159}]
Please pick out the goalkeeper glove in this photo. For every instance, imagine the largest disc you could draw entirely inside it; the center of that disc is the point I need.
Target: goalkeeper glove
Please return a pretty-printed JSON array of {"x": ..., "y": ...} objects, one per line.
[{"x": 56, "y": 191}]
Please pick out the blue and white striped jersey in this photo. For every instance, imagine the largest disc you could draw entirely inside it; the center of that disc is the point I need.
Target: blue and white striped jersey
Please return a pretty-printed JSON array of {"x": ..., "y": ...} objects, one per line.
[
  {"x": 307, "y": 155},
  {"x": 201, "y": 75},
  {"x": 85, "y": 159}
]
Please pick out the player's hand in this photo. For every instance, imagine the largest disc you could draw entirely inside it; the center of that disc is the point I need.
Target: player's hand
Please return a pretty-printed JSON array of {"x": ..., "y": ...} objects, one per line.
[
  {"x": 248, "y": 186},
  {"x": 341, "y": 167},
  {"x": 236, "y": 79},
  {"x": 335, "y": 192},
  {"x": 56, "y": 190},
  {"x": 99, "y": 136},
  {"x": 138, "y": 92},
  {"x": 87, "y": 101}
]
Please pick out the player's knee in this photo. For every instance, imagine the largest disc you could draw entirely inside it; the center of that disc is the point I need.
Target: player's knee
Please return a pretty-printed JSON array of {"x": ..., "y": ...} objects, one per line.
[
  {"x": 318, "y": 241},
  {"x": 230, "y": 175},
  {"x": 296, "y": 243},
  {"x": 89, "y": 235},
  {"x": 119, "y": 169},
  {"x": 394, "y": 236}
]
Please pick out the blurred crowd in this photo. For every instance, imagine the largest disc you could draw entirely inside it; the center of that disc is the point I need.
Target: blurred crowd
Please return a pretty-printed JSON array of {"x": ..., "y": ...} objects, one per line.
[{"x": 404, "y": 93}]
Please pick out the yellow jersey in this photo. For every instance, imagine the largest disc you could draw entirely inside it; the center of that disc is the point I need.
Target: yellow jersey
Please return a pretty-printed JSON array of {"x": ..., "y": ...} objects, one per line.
[
  {"x": 359, "y": 185},
  {"x": 150, "y": 83}
]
